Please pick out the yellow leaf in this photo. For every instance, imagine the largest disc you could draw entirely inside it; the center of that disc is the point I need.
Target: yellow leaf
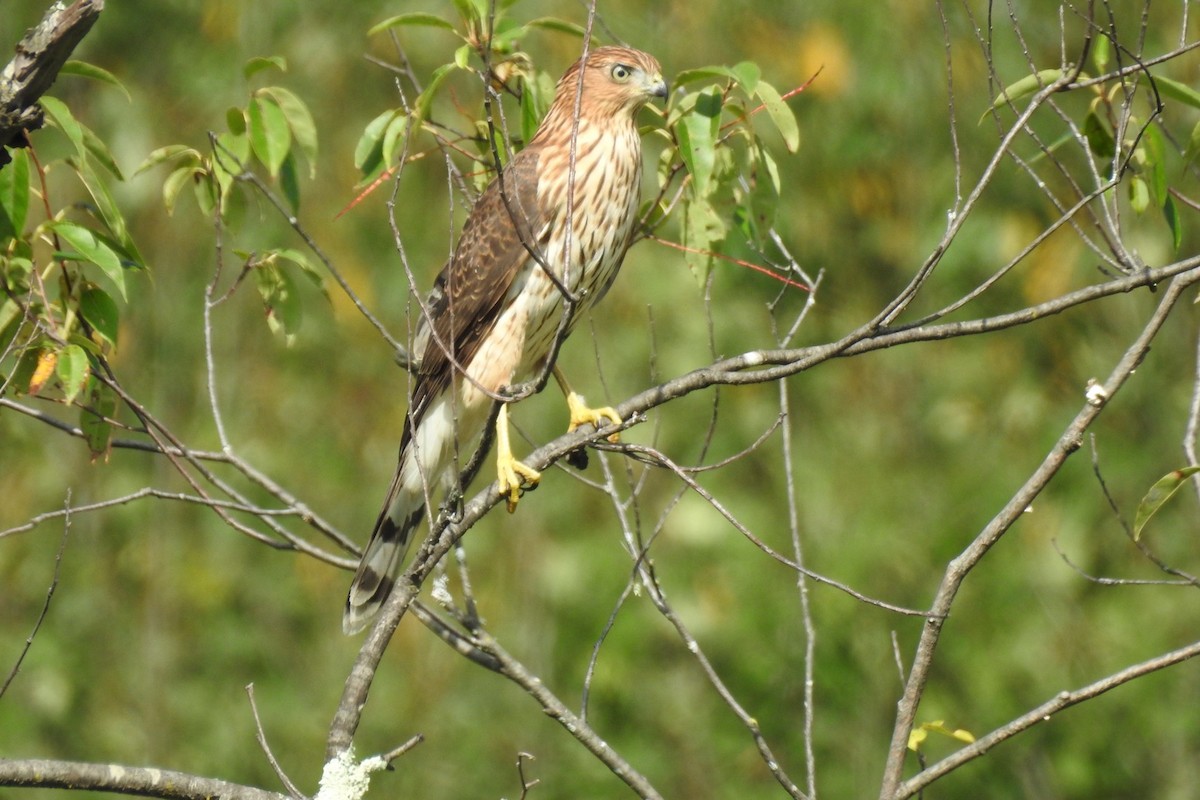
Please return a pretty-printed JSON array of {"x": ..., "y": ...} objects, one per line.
[{"x": 47, "y": 361}]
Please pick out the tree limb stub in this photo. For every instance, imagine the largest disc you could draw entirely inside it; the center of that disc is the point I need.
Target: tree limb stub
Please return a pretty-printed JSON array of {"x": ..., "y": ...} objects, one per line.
[{"x": 41, "y": 53}]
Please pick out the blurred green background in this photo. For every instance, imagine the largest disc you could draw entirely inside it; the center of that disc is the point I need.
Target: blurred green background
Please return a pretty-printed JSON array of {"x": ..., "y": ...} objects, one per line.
[{"x": 163, "y": 614}]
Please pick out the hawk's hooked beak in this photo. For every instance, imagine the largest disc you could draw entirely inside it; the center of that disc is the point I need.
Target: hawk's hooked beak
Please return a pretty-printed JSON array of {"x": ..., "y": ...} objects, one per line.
[{"x": 657, "y": 87}]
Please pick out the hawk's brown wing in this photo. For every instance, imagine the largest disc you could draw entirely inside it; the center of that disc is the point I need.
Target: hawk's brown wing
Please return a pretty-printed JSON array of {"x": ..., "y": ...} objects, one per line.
[{"x": 473, "y": 287}]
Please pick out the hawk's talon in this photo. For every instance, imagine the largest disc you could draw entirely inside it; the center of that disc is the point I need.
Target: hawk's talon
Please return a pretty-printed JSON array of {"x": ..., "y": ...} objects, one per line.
[
  {"x": 513, "y": 478},
  {"x": 582, "y": 414}
]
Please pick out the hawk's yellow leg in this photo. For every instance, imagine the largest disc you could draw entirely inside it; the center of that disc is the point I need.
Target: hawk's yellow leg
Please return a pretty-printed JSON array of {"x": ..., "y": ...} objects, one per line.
[
  {"x": 581, "y": 413},
  {"x": 511, "y": 474}
]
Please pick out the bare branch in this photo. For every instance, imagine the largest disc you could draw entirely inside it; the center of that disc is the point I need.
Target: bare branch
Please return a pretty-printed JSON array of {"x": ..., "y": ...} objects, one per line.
[{"x": 145, "y": 781}]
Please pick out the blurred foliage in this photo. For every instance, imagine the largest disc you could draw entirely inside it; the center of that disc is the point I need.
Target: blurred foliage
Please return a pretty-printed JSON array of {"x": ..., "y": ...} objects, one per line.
[{"x": 162, "y": 613}]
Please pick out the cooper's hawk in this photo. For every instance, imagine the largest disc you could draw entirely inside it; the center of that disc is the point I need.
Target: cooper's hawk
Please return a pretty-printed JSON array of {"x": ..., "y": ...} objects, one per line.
[{"x": 494, "y": 312}]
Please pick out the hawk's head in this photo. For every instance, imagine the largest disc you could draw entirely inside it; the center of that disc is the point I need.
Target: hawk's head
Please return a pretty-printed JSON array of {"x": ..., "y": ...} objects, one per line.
[{"x": 616, "y": 81}]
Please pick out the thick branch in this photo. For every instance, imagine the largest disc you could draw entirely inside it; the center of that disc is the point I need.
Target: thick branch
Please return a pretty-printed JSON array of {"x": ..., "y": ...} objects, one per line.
[
  {"x": 40, "y": 55},
  {"x": 143, "y": 781}
]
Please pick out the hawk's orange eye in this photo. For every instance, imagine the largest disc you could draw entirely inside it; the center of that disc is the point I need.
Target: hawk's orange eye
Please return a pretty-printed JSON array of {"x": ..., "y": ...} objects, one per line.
[{"x": 621, "y": 73}]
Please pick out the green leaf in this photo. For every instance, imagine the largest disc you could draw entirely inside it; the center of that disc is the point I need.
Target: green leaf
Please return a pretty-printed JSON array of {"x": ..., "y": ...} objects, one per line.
[
  {"x": 270, "y": 136},
  {"x": 1025, "y": 87},
  {"x": 62, "y": 118},
  {"x": 1155, "y": 153},
  {"x": 1171, "y": 212},
  {"x": 175, "y": 183},
  {"x": 110, "y": 214},
  {"x": 472, "y": 11},
  {"x": 763, "y": 199},
  {"x": 94, "y": 416},
  {"x": 235, "y": 120},
  {"x": 425, "y": 100},
  {"x": 1099, "y": 140},
  {"x": 703, "y": 230},
  {"x": 1101, "y": 49},
  {"x": 1162, "y": 491},
  {"x": 780, "y": 114},
  {"x": 368, "y": 153},
  {"x": 231, "y": 153},
  {"x": 300, "y": 120},
  {"x": 393, "y": 138},
  {"x": 14, "y": 195},
  {"x": 260, "y": 63},
  {"x": 91, "y": 249},
  {"x": 1139, "y": 195},
  {"x": 697, "y": 139},
  {"x": 280, "y": 300},
  {"x": 100, "y": 311},
  {"x": 700, "y": 74},
  {"x": 173, "y": 152},
  {"x": 1178, "y": 91},
  {"x": 747, "y": 74},
  {"x": 289, "y": 181},
  {"x": 1193, "y": 146},
  {"x": 414, "y": 18},
  {"x": 86, "y": 70},
  {"x": 307, "y": 268},
  {"x": 73, "y": 370},
  {"x": 100, "y": 152},
  {"x": 557, "y": 25}
]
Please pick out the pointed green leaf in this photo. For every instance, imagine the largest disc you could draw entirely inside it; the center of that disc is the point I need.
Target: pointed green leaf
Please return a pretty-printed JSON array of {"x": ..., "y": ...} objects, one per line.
[
  {"x": 100, "y": 311},
  {"x": 100, "y": 152},
  {"x": 91, "y": 249},
  {"x": 1155, "y": 162},
  {"x": 705, "y": 74},
  {"x": 94, "y": 416},
  {"x": 235, "y": 120},
  {"x": 229, "y": 160},
  {"x": 1101, "y": 50},
  {"x": 280, "y": 301},
  {"x": 180, "y": 152},
  {"x": 747, "y": 74},
  {"x": 368, "y": 153},
  {"x": 1162, "y": 491},
  {"x": 1178, "y": 91},
  {"x": 557, "y": 26},
  {"x": 413, "y": 18},
  {"x": 110, "y": 214},
  {"x": 1171, "y": 212},
  {"x": 435, "y": 82},
  {"x": 86, "y": 70},
  {"x": 780, "y": 114},
  {"x": 270, "y": 136},
  {"x": 393, "y": 138},
  {"x": 1025, "y": 87},
  {"x": 697, "y": 132},
  {"x": 14, "y": 195},
  {"x": 62, "y": 118},
  {"x": 1099, "y": 140},
  {"x": 703, "y": 230},
  {"x": 307, "y": 268},
  {"x": 73, "y": 370},
  {"x": 300, "y": 120},
  {"x": 1139, "y": 195},
  {"x": 175, "y": 182},
  {"x": 260, "y": 63},
  {"x": 289, "y": 181}
]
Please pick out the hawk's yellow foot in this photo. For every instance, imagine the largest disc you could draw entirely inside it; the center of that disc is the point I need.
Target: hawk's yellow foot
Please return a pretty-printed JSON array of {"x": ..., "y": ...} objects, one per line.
[
  {"x": 582, "y": 414},
  {"x": 511, "y": 475}
]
